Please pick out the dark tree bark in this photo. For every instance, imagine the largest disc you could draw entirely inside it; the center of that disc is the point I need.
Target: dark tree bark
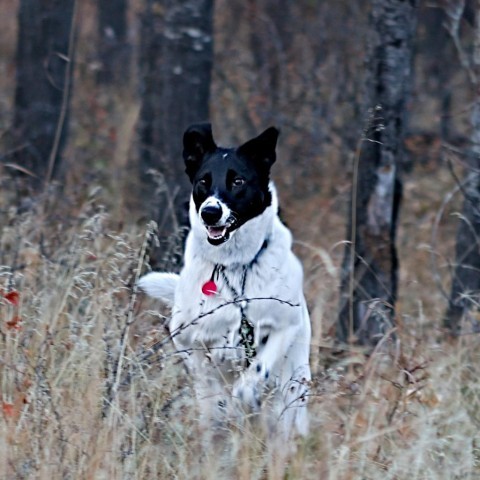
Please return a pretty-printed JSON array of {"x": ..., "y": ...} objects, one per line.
[
  {"x": 369, "y": 271},
  {"x": 271, "y": 33},
  {"x": 44, "y": 67},
  {"x": 176, "y": 62},
  {"x": 465, "y": 291},
  {"x": 113, "y": 45},
  {"x": 437, "y": 46}
]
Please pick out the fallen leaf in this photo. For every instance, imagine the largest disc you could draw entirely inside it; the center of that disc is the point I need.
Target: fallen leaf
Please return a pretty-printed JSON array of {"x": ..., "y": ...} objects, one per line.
[
  {"x": 8, "y": 409},
  {"x": 12, "y": 297},
  {"x": 14, "y": 323}
]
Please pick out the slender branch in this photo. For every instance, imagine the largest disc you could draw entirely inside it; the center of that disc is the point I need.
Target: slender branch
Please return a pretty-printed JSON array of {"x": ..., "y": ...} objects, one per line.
[
  {"x": 65, "y": 98},
  {"x": 155, "y": 347},
  {"x": 130, "y": 318}
]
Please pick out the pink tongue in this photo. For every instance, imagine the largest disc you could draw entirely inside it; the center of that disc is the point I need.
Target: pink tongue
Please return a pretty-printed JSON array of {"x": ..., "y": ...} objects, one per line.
[{"x": 215, "y": 231}]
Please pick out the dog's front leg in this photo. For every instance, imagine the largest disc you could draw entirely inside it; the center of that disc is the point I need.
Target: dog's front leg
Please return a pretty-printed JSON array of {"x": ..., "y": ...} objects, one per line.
[
  {"x": 249, "y": 387},
  {"x": 273, "y": 351}
]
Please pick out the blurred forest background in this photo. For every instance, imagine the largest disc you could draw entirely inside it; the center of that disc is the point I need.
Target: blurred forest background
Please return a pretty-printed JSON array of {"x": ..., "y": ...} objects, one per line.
[
  {"x": 109, "y": 109},
  {"x": 94, "y": 99}
]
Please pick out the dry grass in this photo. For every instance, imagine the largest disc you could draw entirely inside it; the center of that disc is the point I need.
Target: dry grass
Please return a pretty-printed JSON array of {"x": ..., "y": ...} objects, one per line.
[{"x": 78, "y": 401}]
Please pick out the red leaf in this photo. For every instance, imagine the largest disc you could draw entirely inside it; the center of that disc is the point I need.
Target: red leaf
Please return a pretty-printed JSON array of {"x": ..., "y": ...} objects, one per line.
[
  {"x": 8, "y": 409},
  {"x": 14, "y": 323},
  {"x": 12, "y": 297}
]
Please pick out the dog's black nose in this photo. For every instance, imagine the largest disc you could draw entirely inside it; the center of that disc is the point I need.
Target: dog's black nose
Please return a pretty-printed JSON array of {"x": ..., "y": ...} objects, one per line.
[{"x": 211, "y": 214}]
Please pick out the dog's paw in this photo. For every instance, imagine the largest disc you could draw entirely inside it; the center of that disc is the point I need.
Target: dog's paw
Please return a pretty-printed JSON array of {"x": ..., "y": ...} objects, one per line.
[{"x": 250, "y": 386}]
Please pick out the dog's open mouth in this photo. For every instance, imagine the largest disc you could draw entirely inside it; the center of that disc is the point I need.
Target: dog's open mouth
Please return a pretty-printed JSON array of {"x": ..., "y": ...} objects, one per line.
[
  {"x": 216, "y": 233},
  {"x": 219, "y": 234}
]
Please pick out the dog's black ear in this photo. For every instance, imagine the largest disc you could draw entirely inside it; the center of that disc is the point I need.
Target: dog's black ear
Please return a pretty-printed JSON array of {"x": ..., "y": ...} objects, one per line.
[
  {"x": 261, "y": 149},
  {"x": 197, "y": 141}
]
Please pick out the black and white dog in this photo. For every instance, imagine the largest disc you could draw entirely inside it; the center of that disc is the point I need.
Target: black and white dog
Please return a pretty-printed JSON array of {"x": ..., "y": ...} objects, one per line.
[{"x": 238, "y": 305}]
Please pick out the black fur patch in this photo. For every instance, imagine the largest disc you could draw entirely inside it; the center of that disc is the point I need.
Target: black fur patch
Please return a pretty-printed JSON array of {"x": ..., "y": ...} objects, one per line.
[{"x": 239, "y": 177}]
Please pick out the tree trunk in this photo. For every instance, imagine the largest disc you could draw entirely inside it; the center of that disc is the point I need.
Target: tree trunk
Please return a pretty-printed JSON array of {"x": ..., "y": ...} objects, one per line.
[
  {"x": 271, "y": 35},
  {"x": 465, "y": 291},
  {"x": 113, "y": 46},
  {"x": 436, "y": 47},
  {"x": 369, "y": 271},
  {"x": 176, "y": 63},
  {"x": 44, "y": 71}
]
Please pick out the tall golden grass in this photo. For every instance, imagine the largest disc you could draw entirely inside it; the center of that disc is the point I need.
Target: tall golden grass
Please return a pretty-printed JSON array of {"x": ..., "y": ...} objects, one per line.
[{"x": 83, "y": 395}]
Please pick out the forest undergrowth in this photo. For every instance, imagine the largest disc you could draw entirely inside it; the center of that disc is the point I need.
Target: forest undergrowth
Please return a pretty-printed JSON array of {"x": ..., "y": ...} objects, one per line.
[{"x": 90, "y": 386}]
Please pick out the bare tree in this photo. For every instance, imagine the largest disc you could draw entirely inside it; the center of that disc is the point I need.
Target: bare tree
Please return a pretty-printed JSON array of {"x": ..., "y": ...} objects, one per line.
[
  {"x": 271, "y": 37},
  {"x": 465, "y": 291},
  {"x": 113, "y": 46},
  {"x": 369, "y": 271},
  {"x": 44, "y": 67},
  {"x": 176, "y": 62}
]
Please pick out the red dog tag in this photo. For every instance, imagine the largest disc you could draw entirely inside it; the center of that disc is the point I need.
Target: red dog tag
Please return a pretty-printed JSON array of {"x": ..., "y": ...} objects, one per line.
[{"x": 209, "y": 288}]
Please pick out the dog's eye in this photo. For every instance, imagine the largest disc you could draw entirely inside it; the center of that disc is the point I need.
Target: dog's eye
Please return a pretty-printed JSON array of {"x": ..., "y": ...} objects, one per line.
[
  {"x": 238, "y": 182},
  {"x": 202, "y": 182}
]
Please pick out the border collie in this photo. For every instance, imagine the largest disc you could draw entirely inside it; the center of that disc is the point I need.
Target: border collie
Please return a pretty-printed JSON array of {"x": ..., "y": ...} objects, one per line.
[{"x": 238, "y": 309}]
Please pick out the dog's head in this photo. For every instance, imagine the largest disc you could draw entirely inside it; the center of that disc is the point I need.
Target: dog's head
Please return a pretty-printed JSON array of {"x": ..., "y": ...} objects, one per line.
[{"x": 230, "y": 185}]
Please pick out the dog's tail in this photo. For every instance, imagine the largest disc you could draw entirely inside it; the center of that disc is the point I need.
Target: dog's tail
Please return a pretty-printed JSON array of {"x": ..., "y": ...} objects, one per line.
[{"x": 160, "y": 285}]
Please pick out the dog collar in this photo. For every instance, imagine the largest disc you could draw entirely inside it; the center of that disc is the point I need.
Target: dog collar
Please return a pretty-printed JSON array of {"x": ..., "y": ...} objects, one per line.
[
  {"x": 210, "y": 288},
  {"x": 246, "y": 330}
]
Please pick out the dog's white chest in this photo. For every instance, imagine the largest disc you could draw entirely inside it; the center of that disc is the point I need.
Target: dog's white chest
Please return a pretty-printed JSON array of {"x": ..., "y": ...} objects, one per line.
[
  {"x": 210, "y": 319},
  {"x": 250, "y": 301}
]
